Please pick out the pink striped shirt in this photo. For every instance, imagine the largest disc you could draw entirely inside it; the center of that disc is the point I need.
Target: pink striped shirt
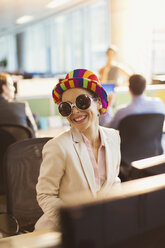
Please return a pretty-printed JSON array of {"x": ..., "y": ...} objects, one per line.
[{"x": 99, "y": 167}]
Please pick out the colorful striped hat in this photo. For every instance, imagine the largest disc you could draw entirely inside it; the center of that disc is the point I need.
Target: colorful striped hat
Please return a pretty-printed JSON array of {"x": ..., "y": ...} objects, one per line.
[{"x": 81, "y": 78}]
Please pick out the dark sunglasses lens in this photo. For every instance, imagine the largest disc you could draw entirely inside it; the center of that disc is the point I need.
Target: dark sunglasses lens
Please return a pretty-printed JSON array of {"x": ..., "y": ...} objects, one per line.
[
  {"x": 65, "y": 109},
  {"x": 83, "y": 102}
]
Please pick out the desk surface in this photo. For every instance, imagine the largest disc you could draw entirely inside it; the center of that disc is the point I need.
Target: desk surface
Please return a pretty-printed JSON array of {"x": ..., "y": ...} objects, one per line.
[{"x": 41, "y": 239}]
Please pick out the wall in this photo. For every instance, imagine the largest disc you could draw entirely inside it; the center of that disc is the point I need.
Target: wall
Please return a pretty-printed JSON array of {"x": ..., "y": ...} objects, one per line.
[{"x": 131, "y": 30}]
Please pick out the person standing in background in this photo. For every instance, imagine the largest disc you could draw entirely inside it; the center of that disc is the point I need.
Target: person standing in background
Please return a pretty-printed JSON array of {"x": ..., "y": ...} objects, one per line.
[
  {"x": 12, "y": 111},
  {"x": 112, "y": 72}
]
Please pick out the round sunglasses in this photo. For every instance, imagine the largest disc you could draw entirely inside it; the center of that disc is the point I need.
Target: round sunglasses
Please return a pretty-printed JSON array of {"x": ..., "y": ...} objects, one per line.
[{"x": 82, "y": 102}]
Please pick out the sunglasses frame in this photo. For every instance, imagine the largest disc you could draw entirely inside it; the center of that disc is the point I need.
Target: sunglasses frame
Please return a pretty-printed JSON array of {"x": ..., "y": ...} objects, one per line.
[{"x": 74, "y": 104}]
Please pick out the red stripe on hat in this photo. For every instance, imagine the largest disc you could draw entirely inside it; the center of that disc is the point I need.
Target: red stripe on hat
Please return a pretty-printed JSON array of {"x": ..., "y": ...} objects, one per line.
[
  {"x": 56, "y": 99},
  {"x": 67, "y": 76},
  {"x": 67, "y": 84},
  {"x": 89, "y": 85},
  {"x": 93, "y": 77}
]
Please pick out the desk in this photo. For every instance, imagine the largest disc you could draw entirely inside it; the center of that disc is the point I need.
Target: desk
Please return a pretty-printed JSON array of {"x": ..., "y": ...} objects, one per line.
[{"x": 38, "y": 239}]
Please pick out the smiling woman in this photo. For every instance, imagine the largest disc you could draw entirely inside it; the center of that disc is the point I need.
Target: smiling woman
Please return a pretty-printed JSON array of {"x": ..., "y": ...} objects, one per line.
[{"x": 84, "y": 158}]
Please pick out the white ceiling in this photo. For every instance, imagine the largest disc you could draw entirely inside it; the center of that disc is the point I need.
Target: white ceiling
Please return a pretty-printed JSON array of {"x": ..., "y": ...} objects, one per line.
[{"x": 10, "y": 10}]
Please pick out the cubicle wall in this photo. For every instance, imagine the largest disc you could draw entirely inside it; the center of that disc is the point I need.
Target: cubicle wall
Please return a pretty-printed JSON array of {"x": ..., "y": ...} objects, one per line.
[{"x": 38, "y": 92}]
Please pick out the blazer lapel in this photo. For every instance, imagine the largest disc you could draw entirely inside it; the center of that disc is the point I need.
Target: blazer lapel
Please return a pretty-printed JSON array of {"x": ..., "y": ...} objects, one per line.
[
  {"x": 85, "y": 162},
  {"x": 109, "y": 153}
]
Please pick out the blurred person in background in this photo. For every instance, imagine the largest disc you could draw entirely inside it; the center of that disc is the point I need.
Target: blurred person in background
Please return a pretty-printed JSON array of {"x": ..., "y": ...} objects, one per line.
[
  {"x": 140, "y": 103},
  {"x": 85, "y": 158},
  {"x": 12, "y": 111},
  {"x": 113, "y": 72}
]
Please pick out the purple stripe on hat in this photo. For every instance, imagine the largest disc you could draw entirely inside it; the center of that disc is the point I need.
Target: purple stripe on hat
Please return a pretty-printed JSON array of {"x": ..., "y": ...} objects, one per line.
[
  {"x": 81, "y": 73},
  {"x": 76, "y": 72},
  {"x": 76, "y": 83},
  {"x": 102, "y": 96},
  {"x": 59, "y": 90},
  {"x": 81, "y": 82}
]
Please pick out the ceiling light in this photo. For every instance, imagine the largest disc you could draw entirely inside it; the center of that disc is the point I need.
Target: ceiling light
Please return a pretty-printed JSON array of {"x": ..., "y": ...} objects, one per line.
[
  {"x": 24, "y": 19},
  {"x": 56, "y": 3}
]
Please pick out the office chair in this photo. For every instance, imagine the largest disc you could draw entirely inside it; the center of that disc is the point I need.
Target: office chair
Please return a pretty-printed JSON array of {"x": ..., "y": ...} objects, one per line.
[
  {"x": 22, "y": 163},
  {"x": 10, "y": 133},
  {"x": 5, "y": 140},
  {"x": 18, "y": 131},
  {"x": 141, "y": 136}
]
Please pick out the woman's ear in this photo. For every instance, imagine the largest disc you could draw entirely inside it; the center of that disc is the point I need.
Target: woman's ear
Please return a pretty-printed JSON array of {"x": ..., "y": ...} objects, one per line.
[{"x": 99, "y": 104}]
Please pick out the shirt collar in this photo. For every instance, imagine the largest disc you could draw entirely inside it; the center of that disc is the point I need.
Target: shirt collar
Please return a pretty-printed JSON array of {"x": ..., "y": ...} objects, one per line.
[
  {"x": 86, "y": 140},
  {"x": 137, "y": 98}
]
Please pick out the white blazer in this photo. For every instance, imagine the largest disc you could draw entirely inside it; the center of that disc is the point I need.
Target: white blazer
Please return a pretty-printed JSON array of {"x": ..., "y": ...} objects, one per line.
[{"x": 67, "y": 169}]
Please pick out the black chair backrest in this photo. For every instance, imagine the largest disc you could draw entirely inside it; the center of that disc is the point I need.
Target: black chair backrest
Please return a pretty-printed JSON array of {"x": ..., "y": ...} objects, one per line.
[
  {"x": 19, "y": 132},
  {"x": 10, "y": 133},
  {"x": 141, "y": 136},
  {"x": 22, "y": 164},
  {"x": 5, "y": 140}
]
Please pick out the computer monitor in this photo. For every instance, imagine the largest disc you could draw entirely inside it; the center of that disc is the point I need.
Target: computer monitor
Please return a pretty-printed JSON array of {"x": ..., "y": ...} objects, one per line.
[
  {"x": 130, "y": 217},
  {"x": 108, "y": 87}
]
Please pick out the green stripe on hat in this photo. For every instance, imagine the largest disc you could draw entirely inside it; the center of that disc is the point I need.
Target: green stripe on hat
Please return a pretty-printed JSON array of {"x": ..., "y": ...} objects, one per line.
[
  {"x": 71, "y": 74},
  {"x": 85, "y": 83},
  {"x": 63, "y": 87}
]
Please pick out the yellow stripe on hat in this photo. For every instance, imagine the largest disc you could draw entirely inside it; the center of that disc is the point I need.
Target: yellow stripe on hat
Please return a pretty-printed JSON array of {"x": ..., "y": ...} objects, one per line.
[
  {"x": 71, "y": 83},
  {"x": 99, "y": 85},
  {"x": 56, "y": 94},
  {"x": 64, "y": 80},
  {"x": 103, "y": 110},
  {"x": 71, "y": 74},
  {"x": 87, "y": 74},
  {"x": 93, "y": 87}
]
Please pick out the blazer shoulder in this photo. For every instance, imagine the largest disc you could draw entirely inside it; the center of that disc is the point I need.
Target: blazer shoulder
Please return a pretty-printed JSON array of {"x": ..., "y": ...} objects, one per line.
[
  {"x": 108, "y": 130},
  {"x": 61, "y": 139}
]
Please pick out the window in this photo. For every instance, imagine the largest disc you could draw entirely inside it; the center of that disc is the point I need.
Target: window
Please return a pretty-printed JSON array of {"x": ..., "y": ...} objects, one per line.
[
  {"x": 80, "y": 38},
  {"x": 158, "y": 52},
  {"x": 8, "y": 52},
  {"x": 158, "y": 45},
  {"x": 35, "y": 48},
  {"x": 72, "y": 39}
]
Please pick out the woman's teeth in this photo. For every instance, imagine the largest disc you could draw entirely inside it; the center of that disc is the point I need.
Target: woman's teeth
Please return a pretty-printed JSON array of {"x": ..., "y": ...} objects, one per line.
[{"x": 79, "y": 118}]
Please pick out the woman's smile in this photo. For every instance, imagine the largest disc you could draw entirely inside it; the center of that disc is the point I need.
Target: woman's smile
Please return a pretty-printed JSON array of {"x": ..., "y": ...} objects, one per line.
[{"x": 79, "y": 119}]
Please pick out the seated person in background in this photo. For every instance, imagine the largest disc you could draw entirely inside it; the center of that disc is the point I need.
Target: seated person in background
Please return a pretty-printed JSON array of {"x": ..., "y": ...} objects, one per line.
[
  {"x": 140, "y": 103},
  {"x": 85, "y": 158},
  {"x": 112, "y": 72},
  {"x": 12, "y": 111}
]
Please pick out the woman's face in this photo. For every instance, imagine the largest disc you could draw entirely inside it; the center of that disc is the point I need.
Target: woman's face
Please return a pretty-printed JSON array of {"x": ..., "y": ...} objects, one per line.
[{"x": 81, "y": 119}]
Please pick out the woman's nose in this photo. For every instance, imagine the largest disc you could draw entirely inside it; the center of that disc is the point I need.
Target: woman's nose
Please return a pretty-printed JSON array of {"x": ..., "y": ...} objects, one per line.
[{"x": 75, "y": 110}]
